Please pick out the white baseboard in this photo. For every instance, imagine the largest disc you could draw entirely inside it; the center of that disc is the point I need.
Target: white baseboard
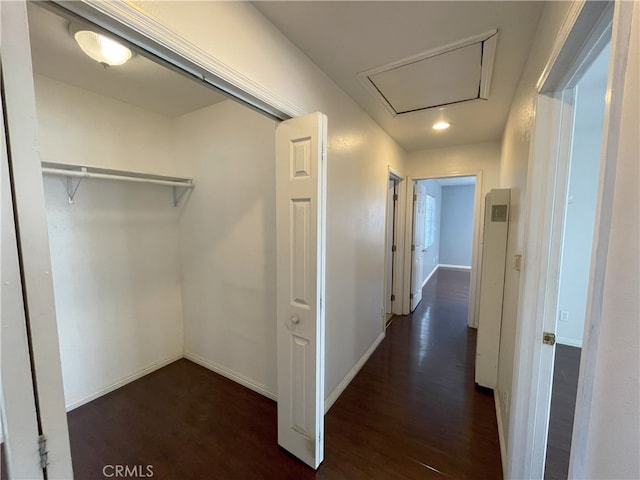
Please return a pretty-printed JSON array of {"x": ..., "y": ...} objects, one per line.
[
  {"x": 232, "y": 375},
  {"x": 503, "y": 445},
  {"x": 331, "y": 399},
  {"x": 123, "y": 382},
  {"x": 454, "y": 267},
  {"x": 430, "y": 275},
  {"x": 569, "y": 342}
]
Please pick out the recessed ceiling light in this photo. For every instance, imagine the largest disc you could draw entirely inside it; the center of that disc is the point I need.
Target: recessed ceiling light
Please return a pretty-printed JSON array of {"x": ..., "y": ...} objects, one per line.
[
  {"x": 100, "y": 47},
  {"x": 441, "y": 125}
]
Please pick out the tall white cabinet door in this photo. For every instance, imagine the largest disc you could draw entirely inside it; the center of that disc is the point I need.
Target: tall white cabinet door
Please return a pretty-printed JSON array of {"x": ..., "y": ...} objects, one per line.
[
  {"x": 494, "y": 258},
  {"x": 300, "y": 218},
  {"x": 32, "y": 236}
]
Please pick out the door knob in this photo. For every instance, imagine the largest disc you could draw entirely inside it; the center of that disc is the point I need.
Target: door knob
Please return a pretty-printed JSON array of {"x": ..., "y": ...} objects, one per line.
[{"x": 295, "y": 319}]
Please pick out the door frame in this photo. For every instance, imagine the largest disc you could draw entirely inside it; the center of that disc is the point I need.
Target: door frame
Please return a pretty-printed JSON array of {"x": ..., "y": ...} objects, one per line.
[
  {"x": 398, "y": 262},
  {"x": 476, "y": 252},
  {"x": 546, "y": 181}
]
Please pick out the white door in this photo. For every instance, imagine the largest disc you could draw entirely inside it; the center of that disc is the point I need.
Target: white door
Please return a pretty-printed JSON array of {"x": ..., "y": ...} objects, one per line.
[
  {"x": 300, "y": 220},
  {"x": 494, "y": 257},
  {"x": 35, "y": 262},
  {"x": 417, "y": 243}
]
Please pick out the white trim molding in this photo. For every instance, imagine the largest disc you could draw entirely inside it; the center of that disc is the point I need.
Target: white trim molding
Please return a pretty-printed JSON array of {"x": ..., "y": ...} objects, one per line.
[
  {"x": 232, "y": 375},
  {"x": 331, "y": 399},
  {"x": 433, "y": 272},
  {"x": 447, "y": 266},
  {"x": 121, "y": 383},
  {"x": 501, "y": 437},
  {"x": 569, "y": 342}
]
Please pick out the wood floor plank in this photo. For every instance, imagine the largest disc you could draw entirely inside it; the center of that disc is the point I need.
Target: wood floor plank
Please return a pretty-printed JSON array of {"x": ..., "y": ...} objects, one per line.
[
  {"x": 413, "y": 412},
  {"x": 563, "y": 403}
]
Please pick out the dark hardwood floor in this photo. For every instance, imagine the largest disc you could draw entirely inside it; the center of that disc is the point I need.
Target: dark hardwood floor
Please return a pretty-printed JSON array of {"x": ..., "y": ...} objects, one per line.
[
  {"x": 3, "y": 463},
  {"x": 412, "y": 412},
  {"x": 563, "y": 404}
]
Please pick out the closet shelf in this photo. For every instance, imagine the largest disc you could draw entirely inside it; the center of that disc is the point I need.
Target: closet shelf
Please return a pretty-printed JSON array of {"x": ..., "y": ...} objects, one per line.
[{"x": 79, "y": 172}]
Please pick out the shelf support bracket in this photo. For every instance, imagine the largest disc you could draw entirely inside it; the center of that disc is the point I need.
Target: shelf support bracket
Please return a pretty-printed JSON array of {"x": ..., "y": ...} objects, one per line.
[
  {"x": 72, "y": 186},
  {"x": 178, "y": 193}
]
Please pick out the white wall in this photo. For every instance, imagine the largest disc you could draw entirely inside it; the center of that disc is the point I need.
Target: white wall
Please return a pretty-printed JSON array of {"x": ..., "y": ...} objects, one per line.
[
  {"x": 613, "y": 439},
  {"x": 358, "y": 157},
  {"x": 513, "y": 174},
  {"x": 581, "y": 206},
  {"x": 431, "y": 257},
  {"x": 76, "y": 125},
  {"x": 115, "y": 262},
  {"x": 456, "y": 225},
  {"x": 228, "y": 241}
]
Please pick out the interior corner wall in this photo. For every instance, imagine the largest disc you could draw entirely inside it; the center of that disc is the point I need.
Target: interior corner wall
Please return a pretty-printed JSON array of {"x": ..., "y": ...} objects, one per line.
[
  {"x": 115, "y": 261},
  {"x": 359, "y": 154},
  {"x": 431, "y": 256},
  {"x": 228, "y": 242},
  {"x": 513, "y": 174},
  {"x": 456, "y": 226}
]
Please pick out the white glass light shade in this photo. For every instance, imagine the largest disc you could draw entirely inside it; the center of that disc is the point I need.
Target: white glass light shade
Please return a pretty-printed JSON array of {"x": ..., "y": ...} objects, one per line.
[
  {"x": 102, "y": 49},
  {"x": 441, "y": 125}
]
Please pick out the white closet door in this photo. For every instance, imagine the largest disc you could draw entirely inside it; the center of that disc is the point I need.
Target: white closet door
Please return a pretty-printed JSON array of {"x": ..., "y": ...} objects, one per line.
[
  {"x": 300, "y": 209},
  {"x": 33, "y": 241}
]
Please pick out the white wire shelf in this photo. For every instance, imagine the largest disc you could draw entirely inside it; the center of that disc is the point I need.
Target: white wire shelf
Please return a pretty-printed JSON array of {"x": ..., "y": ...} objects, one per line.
[{"x": 79, "y": 172}]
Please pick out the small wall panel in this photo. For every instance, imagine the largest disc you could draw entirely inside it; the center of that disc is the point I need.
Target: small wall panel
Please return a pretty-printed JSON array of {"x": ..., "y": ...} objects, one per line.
[
  {"x": 299, "y": 385},
  {"x": 300, "y": 156},
  {"x": 300, "y": 251}
]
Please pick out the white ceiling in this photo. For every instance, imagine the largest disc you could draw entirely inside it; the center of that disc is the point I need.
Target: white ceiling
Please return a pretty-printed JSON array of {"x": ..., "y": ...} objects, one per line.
[
  {"x": 346, "y": 38},
  {"x": 139, "y": 82}
]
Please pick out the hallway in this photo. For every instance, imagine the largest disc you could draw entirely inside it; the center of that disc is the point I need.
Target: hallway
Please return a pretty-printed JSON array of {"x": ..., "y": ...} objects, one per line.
[{"x": 412, "y": 412}]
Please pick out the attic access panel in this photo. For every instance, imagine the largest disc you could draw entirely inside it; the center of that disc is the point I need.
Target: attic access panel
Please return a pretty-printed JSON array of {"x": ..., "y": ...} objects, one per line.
[{"x": 454, "y": 73}]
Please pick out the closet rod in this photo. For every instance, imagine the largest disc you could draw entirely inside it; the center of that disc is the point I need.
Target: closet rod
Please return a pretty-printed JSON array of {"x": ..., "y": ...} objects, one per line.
[{"x": 106, "y": 176}]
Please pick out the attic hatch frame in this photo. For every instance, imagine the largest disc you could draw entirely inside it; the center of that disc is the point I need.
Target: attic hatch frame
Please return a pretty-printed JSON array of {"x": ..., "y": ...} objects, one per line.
[{"x": 488, "y": 41}]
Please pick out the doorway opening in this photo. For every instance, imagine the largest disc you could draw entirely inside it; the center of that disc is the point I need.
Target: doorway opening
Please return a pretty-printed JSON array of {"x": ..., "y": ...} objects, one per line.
[
  {"x": 588, "y": 99},
  {"x": 571, "y": 179},
  {"x": 393, "y": 235},
  {"x": 443, "y": 231}
]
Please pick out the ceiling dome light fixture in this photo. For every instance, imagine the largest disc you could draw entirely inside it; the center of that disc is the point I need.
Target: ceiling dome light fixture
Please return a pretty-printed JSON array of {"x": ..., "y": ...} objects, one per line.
[
  {"x": 99, "y": 47},
  {"x": 441, "y": 125}
]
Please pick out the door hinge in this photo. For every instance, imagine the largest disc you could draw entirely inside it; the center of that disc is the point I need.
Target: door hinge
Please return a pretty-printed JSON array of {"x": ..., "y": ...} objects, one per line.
[
  {"x": 393, "y": 298},
  {"x": 42, "y": 450},
  {"x": 395, "y": 197},
  {"x": 411, "y": 296},
  {"x": 548, "y": 338},
  {"x": 413, "y": 248},
  {"x": 415, "y": 197},
  {"x": 393, "y": 248}
]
